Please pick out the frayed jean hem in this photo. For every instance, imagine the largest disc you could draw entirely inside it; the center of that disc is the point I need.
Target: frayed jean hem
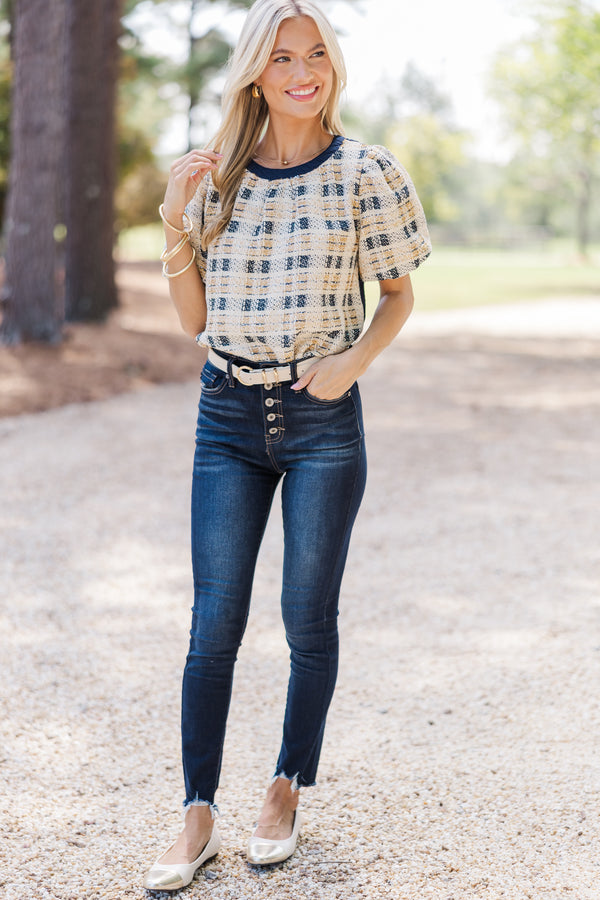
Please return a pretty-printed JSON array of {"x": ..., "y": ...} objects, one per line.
[
  {"x": 296, "y": 781},
  {"x": 214, "y": 809}
]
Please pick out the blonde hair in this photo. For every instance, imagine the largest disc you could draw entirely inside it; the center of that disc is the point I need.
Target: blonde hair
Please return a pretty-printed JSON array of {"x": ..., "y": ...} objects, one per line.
[{"x": 244, "y": 117}]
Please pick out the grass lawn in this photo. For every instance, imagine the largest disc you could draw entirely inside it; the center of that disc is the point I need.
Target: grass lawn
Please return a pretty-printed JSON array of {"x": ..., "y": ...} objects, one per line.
[
  {"x": 456, "y": 277},
  {"x": 453, "y": 278}
]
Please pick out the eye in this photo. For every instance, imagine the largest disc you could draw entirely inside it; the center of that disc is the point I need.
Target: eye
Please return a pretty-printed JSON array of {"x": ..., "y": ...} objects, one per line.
[
  {"x": 319, "y": 53},
  {"x": 282, "y": 59}
]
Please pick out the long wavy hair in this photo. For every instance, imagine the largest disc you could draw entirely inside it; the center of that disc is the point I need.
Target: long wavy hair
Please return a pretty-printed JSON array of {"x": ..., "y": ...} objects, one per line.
[{"x": 243, "y": 116}]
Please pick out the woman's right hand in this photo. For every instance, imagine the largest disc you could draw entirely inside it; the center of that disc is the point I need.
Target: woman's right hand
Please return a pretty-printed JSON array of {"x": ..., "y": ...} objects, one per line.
[{"x": 185, "y": 175}]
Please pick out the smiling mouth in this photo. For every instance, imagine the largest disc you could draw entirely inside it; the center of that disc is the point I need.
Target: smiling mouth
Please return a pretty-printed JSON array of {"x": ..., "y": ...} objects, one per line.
[{"x": 303, "y": 93}]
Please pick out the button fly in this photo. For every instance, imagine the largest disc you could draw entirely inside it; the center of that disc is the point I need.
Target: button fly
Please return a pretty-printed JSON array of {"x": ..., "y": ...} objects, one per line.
[
  {"x": 269, "y": 401},
  {"x": 273, "y": 430},
  {"x": 271, "y": 417}
]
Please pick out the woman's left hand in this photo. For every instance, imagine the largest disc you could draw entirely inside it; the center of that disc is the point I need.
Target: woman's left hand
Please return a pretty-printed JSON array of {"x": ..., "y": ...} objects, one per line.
[{"x": 330, "y": 377}]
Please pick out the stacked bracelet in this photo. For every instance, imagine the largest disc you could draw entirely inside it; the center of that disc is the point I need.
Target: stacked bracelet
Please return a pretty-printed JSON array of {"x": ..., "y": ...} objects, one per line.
[
  {"x": 187, "y": 223},
  {"x": 181, "y": 271},
  {"x": 168, "y": 255}
]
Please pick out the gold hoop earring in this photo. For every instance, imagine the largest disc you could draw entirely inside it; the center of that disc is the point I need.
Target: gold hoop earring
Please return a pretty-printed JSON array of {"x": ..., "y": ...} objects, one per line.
[{"x": 256, "y": 91}]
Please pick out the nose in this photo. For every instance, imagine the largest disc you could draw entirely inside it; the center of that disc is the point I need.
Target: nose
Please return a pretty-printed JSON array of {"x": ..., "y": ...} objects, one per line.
[{"x": 303, "y": 69}]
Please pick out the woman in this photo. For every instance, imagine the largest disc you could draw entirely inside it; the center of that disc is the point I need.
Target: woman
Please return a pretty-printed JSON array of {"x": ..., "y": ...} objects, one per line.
[{"x": 281, "y": 227}]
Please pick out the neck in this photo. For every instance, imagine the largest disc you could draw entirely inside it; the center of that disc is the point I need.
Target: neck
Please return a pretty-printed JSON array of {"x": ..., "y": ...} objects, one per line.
[{"x": 284, "y": 141}]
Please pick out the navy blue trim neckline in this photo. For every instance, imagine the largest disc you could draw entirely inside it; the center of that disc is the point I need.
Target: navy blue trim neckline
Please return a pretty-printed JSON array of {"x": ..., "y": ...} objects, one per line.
[{"x": 291, "y": 171}]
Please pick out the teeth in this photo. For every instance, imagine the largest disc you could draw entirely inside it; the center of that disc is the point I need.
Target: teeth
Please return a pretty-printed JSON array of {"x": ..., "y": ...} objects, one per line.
[{"x": 304, "y": 93}]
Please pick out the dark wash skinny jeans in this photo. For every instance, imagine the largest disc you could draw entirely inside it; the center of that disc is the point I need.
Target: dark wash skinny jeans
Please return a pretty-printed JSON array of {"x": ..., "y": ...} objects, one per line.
[{"x": 247, "y": 439}]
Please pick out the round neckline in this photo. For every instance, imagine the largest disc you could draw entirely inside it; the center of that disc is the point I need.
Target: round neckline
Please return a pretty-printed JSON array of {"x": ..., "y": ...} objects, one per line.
[{"x": 291, "y": 171}]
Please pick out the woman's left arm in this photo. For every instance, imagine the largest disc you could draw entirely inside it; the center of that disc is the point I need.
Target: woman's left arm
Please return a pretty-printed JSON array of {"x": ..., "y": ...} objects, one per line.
[{"x": 332, "y": 376}]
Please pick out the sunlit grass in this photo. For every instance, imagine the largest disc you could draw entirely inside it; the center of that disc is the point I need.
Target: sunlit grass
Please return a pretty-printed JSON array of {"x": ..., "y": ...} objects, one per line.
[{"x": 454, "y": 277}]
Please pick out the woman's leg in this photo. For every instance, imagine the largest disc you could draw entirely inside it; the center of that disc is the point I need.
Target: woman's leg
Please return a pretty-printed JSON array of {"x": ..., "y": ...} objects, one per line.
[
  {"x": 321, "y": 498},
  {"x": 321, "y": 495},
  {"x": 231, "y": 499},
  {"x": 230, "y": 505}
]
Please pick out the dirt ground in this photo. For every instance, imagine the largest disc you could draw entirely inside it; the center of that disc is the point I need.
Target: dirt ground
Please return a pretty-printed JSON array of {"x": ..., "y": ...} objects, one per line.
[
  {"x": 461, "y": 753},
  {"x": 141, "y": 344}
]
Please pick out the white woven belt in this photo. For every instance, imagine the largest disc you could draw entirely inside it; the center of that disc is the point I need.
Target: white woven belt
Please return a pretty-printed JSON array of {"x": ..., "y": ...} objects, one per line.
[{"x": 248, "y": 376}]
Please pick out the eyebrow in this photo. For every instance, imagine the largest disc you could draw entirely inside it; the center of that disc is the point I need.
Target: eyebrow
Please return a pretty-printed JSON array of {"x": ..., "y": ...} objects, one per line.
[{"x": 290, "y": 52}]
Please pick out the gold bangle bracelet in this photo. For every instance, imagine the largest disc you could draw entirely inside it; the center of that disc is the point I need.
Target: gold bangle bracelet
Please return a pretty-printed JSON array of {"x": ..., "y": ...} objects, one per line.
[
  {"x": 187, "y": 229},
  {"x": 181, "y": 271},
  {"x": 167, "y": 255}
]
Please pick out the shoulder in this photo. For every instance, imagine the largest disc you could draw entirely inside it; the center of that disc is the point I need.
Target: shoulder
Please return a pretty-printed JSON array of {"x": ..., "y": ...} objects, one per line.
[
  {"x": 380, "y": 165},
  {"x": 375, "y": 165},
  {"x": 367, "y": 155}
]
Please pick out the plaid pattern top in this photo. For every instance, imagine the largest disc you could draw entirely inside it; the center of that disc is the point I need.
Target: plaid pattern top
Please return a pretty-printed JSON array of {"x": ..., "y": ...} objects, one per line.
[{"x": 284, "y": 280}]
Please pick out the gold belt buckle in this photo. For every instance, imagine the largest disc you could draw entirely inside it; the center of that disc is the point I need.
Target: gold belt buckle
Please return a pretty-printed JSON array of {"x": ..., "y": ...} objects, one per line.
[
  {"x": 241, "y": 377},
  {"x": 269, "y": 376}
]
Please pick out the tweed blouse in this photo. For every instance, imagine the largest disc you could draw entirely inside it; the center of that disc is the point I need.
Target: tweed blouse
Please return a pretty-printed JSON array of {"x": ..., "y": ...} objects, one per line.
[{"x": 285, "y": 279}]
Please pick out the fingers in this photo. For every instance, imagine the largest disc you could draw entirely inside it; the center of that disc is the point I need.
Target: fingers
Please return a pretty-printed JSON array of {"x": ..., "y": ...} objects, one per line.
[
  {"x": 195, "y": 162},
  {"x": 186, "y": 173},
  {"x": 304, "y": 380},
  {"x": 328, "y": 378}
]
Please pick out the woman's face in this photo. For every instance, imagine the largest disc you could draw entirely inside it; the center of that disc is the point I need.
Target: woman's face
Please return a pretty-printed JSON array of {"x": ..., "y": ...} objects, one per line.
[{"x": 299, "y": 75}]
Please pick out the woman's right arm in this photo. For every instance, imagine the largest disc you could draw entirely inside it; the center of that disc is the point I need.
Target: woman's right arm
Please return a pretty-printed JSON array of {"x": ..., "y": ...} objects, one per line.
[{"x": 187, "y": 289}]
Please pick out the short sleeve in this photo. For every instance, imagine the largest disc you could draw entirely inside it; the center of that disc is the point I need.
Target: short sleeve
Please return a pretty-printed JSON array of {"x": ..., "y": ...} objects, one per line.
[
  {"x": 393, "y": 236},
  {"x": 196, "y": 213}
]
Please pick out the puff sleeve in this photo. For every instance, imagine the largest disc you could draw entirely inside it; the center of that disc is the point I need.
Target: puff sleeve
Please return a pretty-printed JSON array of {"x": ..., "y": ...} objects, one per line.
[
  {"x": 196, "y": 213},
  {"x": 393, "y": 235}
]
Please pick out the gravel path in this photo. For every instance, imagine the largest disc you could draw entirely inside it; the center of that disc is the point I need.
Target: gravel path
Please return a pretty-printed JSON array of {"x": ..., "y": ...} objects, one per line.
[{"x": 461, "y": 758}]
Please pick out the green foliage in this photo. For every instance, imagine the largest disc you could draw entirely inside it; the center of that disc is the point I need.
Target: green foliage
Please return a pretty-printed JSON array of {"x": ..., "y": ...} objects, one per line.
[
  {"x": 139, "y": 195},
  {"x": 142, "y": 109},
  {"x": 548, "y": 88},
  {"x": 415, "y": 122},
  {"x": 151, "y": 85},
  {"x": 435, "y": 157},
  {"x": 139, "y": 115}
]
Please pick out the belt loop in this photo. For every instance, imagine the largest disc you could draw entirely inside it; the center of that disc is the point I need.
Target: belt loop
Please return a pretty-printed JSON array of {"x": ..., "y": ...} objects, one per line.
[
  {"x": 294, "y": 371},
  {"x": 230, "y": 377}
]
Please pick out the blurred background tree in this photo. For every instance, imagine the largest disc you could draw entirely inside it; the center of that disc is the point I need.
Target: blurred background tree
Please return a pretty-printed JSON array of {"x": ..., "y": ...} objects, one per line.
[
  {"x": 5, "y": 82},
  {"x": 549, "y": 89},
  {"x": 73, "y": 118},
  {"x": 31, "y": 304},
  {"x": 415, "y": 119},
  {"x": 424, "y": 136},
  {"x": 93, "y": 31}
]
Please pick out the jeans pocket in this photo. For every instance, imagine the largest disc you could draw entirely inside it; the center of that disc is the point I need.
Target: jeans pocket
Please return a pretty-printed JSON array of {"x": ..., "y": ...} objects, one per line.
[
  {"x": 212, "y": 380},
  {"x": 321, "y": 402}
]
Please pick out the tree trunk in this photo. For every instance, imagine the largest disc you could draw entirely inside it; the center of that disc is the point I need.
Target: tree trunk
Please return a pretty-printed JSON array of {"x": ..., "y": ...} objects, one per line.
[
  {"x": 32, "y": 307},
  {"x": 93, "y": 30},
  {"x": 584, "y": 206},
  {"x": 192, "y": 86}
]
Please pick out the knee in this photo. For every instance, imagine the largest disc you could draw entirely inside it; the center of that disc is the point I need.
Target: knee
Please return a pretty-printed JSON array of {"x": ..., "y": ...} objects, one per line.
[
  {"x": 214, "y": 643},
  {"x": 312, "y": 636}
]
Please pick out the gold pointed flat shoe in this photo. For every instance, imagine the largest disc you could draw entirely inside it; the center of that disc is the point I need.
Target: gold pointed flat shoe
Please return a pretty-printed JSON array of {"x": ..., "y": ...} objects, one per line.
[
  {"x": 172, "y": 877},
  {"x": 265, "y": 852}
]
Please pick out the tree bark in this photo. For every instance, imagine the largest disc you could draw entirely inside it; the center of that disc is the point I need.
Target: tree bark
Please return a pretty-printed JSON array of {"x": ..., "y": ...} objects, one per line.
[
  {"x": 32, "y": 305},
  {"x": 192, "y": 88},
  {"x": 584, "y": 206},
  {"x": 93, "y": 30}
]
